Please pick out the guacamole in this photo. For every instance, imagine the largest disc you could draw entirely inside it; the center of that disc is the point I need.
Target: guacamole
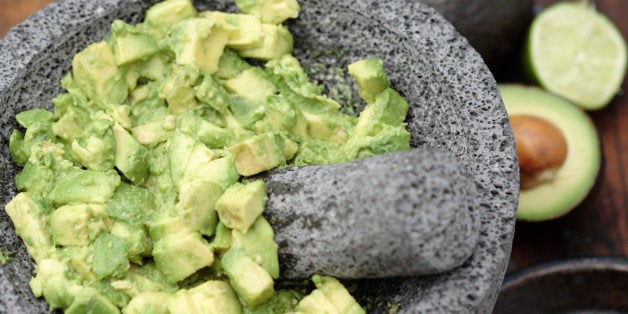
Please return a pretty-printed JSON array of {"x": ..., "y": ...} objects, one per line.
[{"x": 136, "y": 193}]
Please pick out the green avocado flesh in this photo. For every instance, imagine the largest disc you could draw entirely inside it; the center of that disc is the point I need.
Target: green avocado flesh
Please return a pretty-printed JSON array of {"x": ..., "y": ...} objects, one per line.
[
  {"x": 135, "y": 194},
  {"x": 576, "y": 176}
]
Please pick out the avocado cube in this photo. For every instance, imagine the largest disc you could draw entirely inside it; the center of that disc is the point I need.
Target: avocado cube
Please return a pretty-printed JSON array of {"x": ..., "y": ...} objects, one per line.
[
  {"x": 276, "y": 42},
  {"x": 258, "y": 153},
  {"x": 325, "y": 127},
  {"x": 77, "y": 224},
  {"x": 259, "y": 243},
  {"x": 283, "y": 301},
  {"x": 270, "y": 11},
  {"x": 96, "y": 73},
  {"x": 130, "y": 203},
  {"x": 95, "y": 146},
  {"x": 250, "y": 281},
  {"x": 370, "y": 76},
  {"x": 161, "y": 227},
  {"x": 131, "y": 158},
  {"x": 315, "y": 303},
  {"x": 230, "y": 65},
  {"x": 29, "y": 117},
  {"x": 37, "y": 179},
  {"x": 387, "y": 139},
  {"x": 137, "y": 241},
  {"x": 178, "y": 250},
  {"x": 208, "y": 133},
  {"x": 51, "y": 283},
  {"x": 186, "y": 155},
  {"x": 130, "y": 44},
  {"x": 199, "y": 42},
  {"x": 222, "y": 238},
  {"x": 28, "y": 219},
  {"x": 150, "y": 134},
  {"x": 197, "y": 197},
  {"x": 223, "y": 171},
  {"x": 72, "y": 116},
  {"x": 178, "y": 90},
  {"x": 148, "y": 302},
  {"x": 211, "y": 93},
  {"x": 212, "y": 296},
  {"x": 337, "y": 294},
  {"x": 19, "y": 153},
  {"x": 161, "y": 17},
  {"x": 245, "y": 30},
  {"x": 109, "y": 256},
  {"x": 252, "y": 85},
  {"x": 241, "y": 204},
  {"x": 215, "y": 296},
  {"x": 85, "y": 186},
  {"x": 88, "y": 300},
  {"x": 388, "y": 108}
]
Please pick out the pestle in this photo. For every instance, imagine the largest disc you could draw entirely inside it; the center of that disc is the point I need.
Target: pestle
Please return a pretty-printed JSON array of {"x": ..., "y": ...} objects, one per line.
[{"x": 399, "y": 214}]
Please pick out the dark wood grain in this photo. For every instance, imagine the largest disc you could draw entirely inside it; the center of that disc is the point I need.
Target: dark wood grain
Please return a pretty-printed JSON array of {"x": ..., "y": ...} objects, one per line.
[{"x": 598, "y": 227}]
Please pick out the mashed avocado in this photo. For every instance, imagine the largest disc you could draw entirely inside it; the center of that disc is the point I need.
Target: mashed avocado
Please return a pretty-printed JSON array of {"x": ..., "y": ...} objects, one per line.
[{"x": 135, "y": 193}]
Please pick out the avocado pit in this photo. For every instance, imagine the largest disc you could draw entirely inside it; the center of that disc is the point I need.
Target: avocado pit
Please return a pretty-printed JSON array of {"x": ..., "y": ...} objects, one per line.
[{"x": 541, "y": 148}]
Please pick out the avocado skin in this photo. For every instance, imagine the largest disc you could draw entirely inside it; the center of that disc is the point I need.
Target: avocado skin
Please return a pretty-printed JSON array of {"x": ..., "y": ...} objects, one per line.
[
  {"x": 575, "y": 178},
  {"x": 494, "y": 28}
]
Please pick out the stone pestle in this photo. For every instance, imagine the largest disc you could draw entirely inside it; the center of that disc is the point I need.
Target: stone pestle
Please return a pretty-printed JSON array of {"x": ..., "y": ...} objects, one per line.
[{"x": 400, "y": 214}]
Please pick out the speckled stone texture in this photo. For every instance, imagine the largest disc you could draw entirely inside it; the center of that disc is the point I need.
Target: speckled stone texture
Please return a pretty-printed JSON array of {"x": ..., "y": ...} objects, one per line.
[
  {"x": 401, "y": 214},
  {"x": 454, "y": 102}
]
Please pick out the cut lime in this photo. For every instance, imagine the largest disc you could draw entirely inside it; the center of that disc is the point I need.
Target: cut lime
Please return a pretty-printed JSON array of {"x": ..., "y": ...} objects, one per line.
[{"x": 577, "y": 53}]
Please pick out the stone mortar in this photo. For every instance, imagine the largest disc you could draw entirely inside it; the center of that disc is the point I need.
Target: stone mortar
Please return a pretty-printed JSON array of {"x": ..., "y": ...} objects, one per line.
[{"x": 454, "y": 103}]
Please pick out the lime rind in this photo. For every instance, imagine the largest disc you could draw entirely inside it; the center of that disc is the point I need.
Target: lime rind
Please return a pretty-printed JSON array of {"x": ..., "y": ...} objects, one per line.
[{"x": 577, "y": 53}]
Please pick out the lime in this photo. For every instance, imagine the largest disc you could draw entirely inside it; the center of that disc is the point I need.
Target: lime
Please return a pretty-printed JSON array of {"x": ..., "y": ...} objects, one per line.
[{"x": 577, "y": 53}]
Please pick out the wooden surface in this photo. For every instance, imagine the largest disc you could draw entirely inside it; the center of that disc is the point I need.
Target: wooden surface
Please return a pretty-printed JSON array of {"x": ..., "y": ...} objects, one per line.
[{"x": 599, "y": 227}]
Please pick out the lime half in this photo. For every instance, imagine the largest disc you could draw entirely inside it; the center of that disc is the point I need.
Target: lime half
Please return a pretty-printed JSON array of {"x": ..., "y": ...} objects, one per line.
[{"x": 577, "y": 53}]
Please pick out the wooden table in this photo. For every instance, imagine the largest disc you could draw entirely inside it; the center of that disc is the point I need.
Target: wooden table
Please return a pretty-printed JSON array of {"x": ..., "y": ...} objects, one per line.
[{"x": 598, "y": 227}]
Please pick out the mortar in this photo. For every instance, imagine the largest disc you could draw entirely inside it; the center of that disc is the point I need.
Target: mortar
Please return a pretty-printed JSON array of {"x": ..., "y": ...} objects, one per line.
[{"x": 454, "y": 105}]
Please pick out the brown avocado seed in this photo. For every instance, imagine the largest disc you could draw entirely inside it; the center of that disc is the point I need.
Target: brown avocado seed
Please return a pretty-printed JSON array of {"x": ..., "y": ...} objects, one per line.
[{"x": 541, "y": 147}]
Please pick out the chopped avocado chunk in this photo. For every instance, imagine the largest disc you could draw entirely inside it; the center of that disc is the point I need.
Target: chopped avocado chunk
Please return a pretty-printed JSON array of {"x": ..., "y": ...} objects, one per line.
[
  {"x": 131, "y": 158},
  {"x": 130, "y": 203},
  {"x": 258, "y": 153},
  {"x": 94, "y": 147},
  {"x": 222, "y": 238},
  {"x": 315, "y": 303},
  {"x": 249, "y": 280},
  {"x": 270, "y": 11},
  {"x": 109, "y": 256},
  {"x": 370, "y": 76},
  {"x": 241, "y": 204},
  {"x": 28, "y": 218},
  {"x": 178, "y": 89},
  {"x": 212, "y": 296},
  {"x": 97, "y": 75},
  {"x": 337, "y": 294},
  {"x": 131, "y": 44},
  {"x": 252, "y": 85},
  {"x": 161, "y": 17},
  {"x": 90, "y": 301},
  {"x": 276, "y": 42},
  {"x": 231, "y": 64},
  {"x": 85, "y": 186},
  {"x": 259, "y": 243},
  {"x": 78, "y": 224},
  {"x": 200, "y": 42},
  {"x": 178, "y": 250},
  {"x": 245, "y": 31},
  {"x": 148, "y": 302}
]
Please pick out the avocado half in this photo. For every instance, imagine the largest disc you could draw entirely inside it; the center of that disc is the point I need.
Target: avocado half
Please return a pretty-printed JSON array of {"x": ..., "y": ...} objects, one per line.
[{"x": 574, "y": 179}]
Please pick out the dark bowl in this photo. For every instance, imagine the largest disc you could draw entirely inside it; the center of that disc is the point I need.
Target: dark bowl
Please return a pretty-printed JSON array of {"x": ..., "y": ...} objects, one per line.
[
  {"x": 586, "y": 285},
  {"x": 454, "y": 104}
]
